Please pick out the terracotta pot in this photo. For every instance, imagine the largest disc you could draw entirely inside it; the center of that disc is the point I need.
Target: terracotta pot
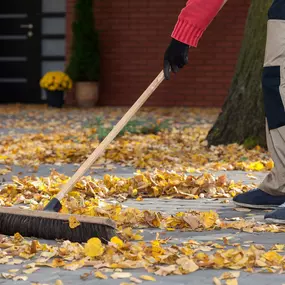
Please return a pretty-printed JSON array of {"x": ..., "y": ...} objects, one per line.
[{"x": 87, "y": 94}]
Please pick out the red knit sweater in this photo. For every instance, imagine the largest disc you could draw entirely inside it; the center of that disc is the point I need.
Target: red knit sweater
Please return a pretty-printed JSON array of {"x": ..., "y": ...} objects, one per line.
[{"x": 194, "y": 19}]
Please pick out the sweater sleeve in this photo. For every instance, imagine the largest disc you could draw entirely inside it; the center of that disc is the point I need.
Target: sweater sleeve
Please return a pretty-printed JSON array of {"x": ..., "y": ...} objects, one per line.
[{"x": 194, "y": 20}]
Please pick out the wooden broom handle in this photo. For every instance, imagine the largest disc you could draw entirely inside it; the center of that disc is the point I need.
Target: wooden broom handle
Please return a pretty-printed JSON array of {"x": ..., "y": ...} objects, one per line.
[{"x": 110, "y": 137}]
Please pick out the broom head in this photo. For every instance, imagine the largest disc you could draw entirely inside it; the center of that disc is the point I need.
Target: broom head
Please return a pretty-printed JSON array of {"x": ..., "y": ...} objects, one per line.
[{"x": 51, "y": 225}]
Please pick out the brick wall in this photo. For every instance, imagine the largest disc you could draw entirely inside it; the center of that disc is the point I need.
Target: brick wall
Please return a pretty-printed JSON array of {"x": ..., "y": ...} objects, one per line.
[{"x": 134, "y": 36}]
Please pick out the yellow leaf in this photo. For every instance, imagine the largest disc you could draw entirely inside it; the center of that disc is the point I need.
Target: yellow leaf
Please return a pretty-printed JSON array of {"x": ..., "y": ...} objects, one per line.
[
  {"x": 57, "y": 262},
  {"x": 137, "y": 237},
  {"x": 209, "y": 219},
  {"x": 231, "y": 282},
  {"x": 118, "y": 242},
  {"x": 74, "y": 265},
  {"x": 73, "y": 223},
  {"x": 18, "y": 237},
  {"x": 14, "y": 270},
  {"x": 26, "y": 255},
  {"x": 147, "y": 278},
  {"x": 58, "y": 282},
  {"x": 93, "y": 248},
  {"x": 31, "y": 270},
  {"x": 273, "y": 257},
  {"x": 257, "y": 166},
  {"x": 217, "y": 281},
  {"x": 270, "y": 165},
  {"x": 100, "y": 275}
]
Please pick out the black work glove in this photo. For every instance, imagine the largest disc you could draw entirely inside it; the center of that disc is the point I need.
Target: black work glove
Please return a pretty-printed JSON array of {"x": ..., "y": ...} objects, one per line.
[{"x": 176, "y": 56}]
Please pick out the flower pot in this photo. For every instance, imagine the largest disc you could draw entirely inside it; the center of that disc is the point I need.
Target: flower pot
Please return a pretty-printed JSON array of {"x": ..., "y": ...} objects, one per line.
[
  {"x": 55, "y": 98},
  {"x": 86, "y": 94}
]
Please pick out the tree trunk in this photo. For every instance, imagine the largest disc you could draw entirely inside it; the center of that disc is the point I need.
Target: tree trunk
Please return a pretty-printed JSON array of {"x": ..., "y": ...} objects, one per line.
[{"x": 242, "y": 119}]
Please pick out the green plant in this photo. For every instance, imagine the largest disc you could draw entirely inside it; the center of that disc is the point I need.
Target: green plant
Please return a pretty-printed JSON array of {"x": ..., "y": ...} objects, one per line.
[
  {"x": 133, "y": 127},
  {"x": 84, "y": 63}
]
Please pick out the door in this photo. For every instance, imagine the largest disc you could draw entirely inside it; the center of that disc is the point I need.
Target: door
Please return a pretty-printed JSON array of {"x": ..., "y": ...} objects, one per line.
[{"x": 20, "y": 51}]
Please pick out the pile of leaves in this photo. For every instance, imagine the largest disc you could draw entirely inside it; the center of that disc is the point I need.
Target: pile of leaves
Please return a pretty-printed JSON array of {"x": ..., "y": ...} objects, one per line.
[
  {"x": 89, "y": 198},
  {"x": 156, "y": 184}
]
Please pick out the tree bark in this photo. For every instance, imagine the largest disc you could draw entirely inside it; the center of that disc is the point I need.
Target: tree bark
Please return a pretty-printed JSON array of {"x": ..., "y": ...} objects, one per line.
[{"x": 242, "y": 119}]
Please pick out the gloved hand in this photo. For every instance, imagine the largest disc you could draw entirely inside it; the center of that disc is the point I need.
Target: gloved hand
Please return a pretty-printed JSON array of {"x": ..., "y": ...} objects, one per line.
[{"x": 176, "y": 56}]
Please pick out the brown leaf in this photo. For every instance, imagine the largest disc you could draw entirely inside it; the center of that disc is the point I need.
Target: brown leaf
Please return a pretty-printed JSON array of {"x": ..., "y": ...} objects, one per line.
[
  {"x": 165, "y": 270},
  {"x": 188, "y": 265},
  {"x": 192, "y": 221},
  {"x": 85, "y": 276}
]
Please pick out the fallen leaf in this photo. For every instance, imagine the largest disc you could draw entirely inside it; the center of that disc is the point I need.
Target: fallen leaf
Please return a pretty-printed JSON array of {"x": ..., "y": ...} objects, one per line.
[
  {"x": 16, "y": 262},
  {"x": 73, "y": 222},
  {"x": 31, "y": 270},
  {"x": 147, "y": 278},
  {"x": 216, "y": 281},
  {"x": 58, "y": 282},
  {"x": 135, "y": 280},
  {"x": 8, "y": 275},
  {"x": 242, "y": 210},
  {"x": 74, "y": 265},
  {"x": 100, "y": 275},
  {"x": 4, "y": 260},
  {"x": 13, "y": 270},
  {"x": 192, "y": 221},
  {"x": 165, "y": 270},
  {"x": 121, "y": 275},
  {"x": 117, "y": 242},
  {"x": 20, "y": 278},
  {"x": 231, "y": 282},
  {"x": 230, "y": 275},
  {"x": 188, "y": 265},
  {"x": 85, "y": 276},
  {"x": 93, "y": 247}
]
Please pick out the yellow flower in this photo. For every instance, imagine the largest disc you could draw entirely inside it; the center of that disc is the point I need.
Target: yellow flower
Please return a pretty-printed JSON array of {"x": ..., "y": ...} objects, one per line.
[{"x": 56, "y": 80}]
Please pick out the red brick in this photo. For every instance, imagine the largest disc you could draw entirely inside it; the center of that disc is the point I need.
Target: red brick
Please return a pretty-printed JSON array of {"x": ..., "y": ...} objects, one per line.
[{"x": 133, "y": 38}]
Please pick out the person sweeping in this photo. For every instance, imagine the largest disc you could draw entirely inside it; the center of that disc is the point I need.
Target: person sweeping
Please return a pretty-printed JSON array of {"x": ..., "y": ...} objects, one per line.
[{"x": 192, "y": 22}]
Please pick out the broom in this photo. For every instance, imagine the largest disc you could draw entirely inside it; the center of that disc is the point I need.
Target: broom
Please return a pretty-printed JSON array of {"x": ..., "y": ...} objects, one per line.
[{"x": 49, "y": 224}]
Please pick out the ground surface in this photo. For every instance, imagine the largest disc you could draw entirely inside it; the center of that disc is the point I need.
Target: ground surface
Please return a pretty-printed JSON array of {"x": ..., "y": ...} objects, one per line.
[{"x": 171, "y": 206}]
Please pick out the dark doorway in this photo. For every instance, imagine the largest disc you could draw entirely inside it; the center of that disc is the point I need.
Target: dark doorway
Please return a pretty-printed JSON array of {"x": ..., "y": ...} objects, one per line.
[{"x": 20, "y": 51}]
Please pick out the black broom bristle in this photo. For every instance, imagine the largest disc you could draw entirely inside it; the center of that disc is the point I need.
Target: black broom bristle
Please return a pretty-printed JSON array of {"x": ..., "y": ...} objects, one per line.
[{"x": 51, "y": 229}]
